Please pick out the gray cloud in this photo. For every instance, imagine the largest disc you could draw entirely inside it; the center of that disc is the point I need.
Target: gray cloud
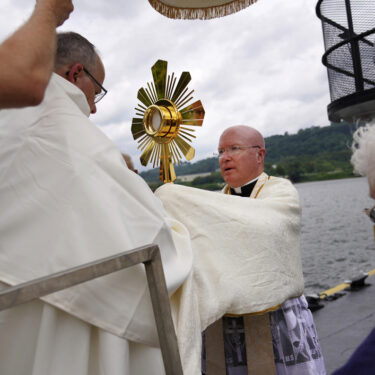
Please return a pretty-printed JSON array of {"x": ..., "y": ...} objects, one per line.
[{"x": 261, "y": 66}]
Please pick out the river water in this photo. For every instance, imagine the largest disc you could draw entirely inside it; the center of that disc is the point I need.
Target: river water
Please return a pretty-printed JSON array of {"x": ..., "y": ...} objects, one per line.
[{"x": 337, "y": 237}]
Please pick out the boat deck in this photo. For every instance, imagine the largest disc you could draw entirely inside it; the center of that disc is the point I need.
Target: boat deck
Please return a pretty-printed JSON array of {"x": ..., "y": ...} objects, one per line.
[{"x": 344, "y": 323}]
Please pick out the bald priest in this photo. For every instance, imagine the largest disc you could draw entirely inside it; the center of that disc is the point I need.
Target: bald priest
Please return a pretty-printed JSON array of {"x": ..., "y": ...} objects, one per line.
[{"x": 246, "y": 261}]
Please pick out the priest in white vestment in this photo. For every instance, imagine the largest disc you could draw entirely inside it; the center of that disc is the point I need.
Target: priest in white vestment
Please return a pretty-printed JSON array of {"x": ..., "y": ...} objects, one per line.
[
  {"x": 246, "y": 259},
  {"x": 67, "y": 198}
]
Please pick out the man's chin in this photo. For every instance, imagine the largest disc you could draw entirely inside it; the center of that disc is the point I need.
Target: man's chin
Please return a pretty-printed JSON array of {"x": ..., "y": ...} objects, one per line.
[
  {"x": 228, "y": 181},
  {"x": 228, "y": 177},
  {"x": 231, "y": 183}
]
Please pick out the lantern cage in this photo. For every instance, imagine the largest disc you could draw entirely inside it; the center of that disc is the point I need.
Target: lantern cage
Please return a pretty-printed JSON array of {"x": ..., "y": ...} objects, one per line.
[{"x": 349, "y": 35}]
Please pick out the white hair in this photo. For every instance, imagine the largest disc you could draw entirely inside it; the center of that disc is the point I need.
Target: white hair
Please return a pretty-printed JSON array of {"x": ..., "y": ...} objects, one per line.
[{"x": 363, "y": 147}]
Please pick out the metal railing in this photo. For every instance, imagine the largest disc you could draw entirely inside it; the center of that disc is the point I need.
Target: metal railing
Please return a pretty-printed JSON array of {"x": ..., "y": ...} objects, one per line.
[{"x": 149, "y": 255}]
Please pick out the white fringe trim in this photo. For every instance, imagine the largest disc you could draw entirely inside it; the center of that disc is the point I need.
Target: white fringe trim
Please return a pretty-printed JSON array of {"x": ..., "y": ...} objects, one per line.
[{"x": 200, "y": 13}]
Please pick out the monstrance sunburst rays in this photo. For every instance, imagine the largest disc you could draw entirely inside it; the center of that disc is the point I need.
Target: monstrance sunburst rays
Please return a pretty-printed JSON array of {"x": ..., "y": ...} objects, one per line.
[{"x": 162, "y": 130}]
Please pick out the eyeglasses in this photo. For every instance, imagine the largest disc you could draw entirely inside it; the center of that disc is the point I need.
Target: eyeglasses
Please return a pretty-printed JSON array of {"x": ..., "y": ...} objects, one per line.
[
  {"x": 371, "y": 213},
  {"x": 233, "y": 150},
  {"x": 103, "y": 91}
]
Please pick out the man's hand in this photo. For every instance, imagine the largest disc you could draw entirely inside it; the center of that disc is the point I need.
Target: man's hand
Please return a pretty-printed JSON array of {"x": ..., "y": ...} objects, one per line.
[
  {"x": 27, "y": 56},
  {"x": 59, "y": 9}
]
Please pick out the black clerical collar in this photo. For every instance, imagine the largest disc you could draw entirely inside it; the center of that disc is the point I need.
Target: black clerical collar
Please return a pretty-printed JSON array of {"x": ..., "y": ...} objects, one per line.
[{"x": 245, "y": 190}]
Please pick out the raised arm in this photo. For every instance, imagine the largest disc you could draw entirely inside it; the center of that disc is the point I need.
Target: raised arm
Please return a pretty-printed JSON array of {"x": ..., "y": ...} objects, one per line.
[{"x": 27, "y": 56}]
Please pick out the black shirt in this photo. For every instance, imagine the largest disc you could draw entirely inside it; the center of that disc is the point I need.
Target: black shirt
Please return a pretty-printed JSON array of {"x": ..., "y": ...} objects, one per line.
[{"x": 245, "y": 190}]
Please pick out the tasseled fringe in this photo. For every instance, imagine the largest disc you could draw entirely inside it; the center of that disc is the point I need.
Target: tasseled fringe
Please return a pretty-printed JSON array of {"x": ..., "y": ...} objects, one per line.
[{"x": 200, "y": 13}]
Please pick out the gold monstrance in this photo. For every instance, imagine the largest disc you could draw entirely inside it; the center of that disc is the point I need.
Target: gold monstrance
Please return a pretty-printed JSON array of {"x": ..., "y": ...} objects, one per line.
[{"x": 161, "y": 130}]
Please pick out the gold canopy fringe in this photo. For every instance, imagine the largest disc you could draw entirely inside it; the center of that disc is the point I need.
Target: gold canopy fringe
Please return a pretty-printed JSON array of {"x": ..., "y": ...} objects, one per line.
[{"x": 200, "y": 13}]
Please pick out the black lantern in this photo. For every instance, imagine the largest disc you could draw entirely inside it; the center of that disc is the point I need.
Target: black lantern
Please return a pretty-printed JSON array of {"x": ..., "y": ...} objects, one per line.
[{"x": 349, "y": 35}]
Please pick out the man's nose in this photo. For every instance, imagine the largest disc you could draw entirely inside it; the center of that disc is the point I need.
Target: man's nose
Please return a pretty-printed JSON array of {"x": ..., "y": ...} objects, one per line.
[
  {"x": 225, "y": 155},
  {"x": 93, "y": 108}
]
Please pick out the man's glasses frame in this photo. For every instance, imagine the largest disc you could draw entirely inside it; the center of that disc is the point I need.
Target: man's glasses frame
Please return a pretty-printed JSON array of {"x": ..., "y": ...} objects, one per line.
[
  {"x": 233, "y": 150},
  {"x": 102, "y": 94}
]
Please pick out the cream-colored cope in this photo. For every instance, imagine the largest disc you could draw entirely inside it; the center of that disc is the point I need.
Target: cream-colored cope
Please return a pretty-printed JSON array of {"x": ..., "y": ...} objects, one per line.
[
  {"x": 67, "y": 199},
  {"x": 246, "y": 256}
]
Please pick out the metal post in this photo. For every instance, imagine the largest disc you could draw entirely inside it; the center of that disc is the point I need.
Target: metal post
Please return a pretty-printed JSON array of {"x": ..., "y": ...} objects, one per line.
[
  {"x": 162, "y": 310},
  {"x": 356, "y": 55},
  {"x": 149, "y": 255}
]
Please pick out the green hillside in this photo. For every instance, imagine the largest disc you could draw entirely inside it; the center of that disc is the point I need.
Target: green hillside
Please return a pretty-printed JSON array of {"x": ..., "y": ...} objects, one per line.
[
  {"x": 201, "y": 166},
  {"x": 314, "y": 153}
]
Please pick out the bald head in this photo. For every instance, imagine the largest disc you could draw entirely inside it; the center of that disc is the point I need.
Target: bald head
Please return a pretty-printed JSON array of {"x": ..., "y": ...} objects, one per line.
[
  {"x": 242, "y": 154},
  {"x": 251, "y": 135}
]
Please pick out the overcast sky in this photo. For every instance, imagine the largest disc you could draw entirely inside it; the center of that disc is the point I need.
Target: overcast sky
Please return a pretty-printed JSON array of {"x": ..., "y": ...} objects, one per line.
[{"x": 261, "y": 66}]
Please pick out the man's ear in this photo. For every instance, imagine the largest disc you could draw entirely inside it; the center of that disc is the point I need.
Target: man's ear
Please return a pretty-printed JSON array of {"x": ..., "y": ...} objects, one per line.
[
  {"x": 74, "y": 71},
  {"x": 261, "y": 155}
]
